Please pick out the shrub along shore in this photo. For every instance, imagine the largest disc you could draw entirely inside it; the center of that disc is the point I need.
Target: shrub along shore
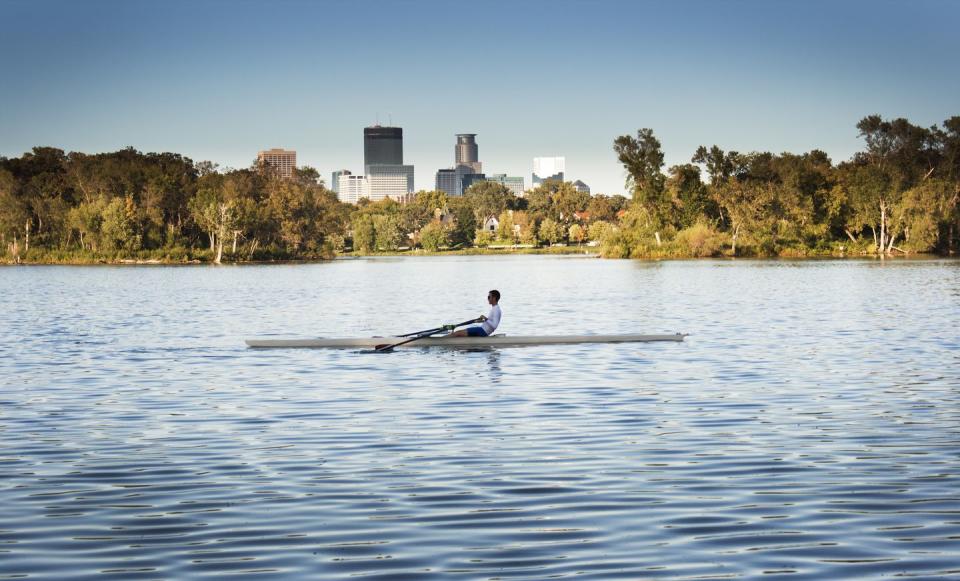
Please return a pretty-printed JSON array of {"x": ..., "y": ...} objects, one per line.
[{"x": 898, "y": 196}]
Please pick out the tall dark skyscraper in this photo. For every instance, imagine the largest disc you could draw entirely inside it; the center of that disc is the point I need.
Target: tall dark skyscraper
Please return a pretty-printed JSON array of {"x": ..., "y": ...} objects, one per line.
[{"x": 382, "y": 145}]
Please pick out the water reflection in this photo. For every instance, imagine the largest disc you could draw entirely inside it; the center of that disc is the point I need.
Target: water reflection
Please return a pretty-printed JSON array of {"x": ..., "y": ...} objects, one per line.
[{"x": 780, "y": 439}]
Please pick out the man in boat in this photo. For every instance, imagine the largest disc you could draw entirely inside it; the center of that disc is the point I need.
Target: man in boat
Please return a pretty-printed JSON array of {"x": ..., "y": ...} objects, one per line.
[{"x": 490, "y": 322}]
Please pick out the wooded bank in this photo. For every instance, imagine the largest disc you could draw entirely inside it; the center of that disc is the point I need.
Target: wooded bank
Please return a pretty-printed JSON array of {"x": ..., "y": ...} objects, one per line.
[{"x": 899, "y": 195}]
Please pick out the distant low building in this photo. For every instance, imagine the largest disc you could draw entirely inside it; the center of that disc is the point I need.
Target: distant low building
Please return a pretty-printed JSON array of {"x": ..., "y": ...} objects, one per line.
[
  {"x": 548, "y": 168},
  {"x": 468, "y": 179},
  {"x": 447, "y": 181},
  {"x": 513, "y": 183},
  {"x": 581, "y": 187},
  {"x": 491, "y": 224},
  {"x": 283, "y": 161},
  {"x": 455, "y": 181},
  {"x": 335, "y": 179}
]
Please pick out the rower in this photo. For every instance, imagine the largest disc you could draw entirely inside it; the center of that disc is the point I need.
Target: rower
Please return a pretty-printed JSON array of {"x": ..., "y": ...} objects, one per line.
[{"x": 490, "y": 322}]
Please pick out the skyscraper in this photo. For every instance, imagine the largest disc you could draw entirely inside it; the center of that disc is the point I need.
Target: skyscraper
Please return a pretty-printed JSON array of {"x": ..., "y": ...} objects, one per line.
[
  {"x": 548, "y": 168},
  {"x": 467, "y": 168},
  {"x": 382, "y": 145},
  {"x": 386, "y": 175},
  {"x": 283, "y": 161},
  {"x": 466, "y": 153},
  {"x": 447, "y": 181}
]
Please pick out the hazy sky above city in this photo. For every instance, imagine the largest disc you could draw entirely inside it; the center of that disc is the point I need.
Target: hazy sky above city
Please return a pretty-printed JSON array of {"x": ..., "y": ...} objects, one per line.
[{"x": 220, "y": 80}]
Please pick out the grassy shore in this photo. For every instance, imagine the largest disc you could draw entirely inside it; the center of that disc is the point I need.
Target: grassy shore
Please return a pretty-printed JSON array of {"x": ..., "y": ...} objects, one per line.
[
  {"x": 195, "y": 256},
  {"x": 176, "y": 256}
]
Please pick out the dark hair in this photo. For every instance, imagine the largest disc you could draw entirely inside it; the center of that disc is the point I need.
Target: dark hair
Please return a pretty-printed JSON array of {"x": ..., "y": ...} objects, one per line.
[{"x": 496, "y": 294}]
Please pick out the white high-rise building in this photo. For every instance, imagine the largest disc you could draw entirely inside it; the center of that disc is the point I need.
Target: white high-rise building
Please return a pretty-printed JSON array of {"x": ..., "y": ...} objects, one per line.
[
  {"x": 381, "y": 181},
  {"x": 548, "y": 168},
  {"x": 350, "y": 188},
  {"x": 335, "y": 179}
]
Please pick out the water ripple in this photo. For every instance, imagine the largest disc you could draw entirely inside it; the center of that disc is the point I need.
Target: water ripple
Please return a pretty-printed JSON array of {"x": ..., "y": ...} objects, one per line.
[{"x": 809, "y": 435}]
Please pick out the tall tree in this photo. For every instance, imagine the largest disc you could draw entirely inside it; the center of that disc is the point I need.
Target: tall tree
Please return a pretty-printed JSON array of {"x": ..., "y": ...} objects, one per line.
[
  {"x": 642, "y": 158},
  {"x": 489, "y": 199},
  {"x": 14, "y": 214},
  {"x": 746, "y": 204},
  {"x": 720, "y": 166},
  {"x": 689, "y": 196}
]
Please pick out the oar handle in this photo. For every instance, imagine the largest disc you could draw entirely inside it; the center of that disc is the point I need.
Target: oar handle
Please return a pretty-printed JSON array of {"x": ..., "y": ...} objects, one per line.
[{"x": 436, "y": 330}]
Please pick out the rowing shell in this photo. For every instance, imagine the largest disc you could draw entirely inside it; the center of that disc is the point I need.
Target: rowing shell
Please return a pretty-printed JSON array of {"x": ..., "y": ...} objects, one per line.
[{"x": 461, "y": 342}]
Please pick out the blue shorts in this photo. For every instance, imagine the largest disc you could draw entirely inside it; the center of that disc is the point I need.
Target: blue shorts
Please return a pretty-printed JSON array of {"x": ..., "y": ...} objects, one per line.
[{"x": 476, "y": 332}]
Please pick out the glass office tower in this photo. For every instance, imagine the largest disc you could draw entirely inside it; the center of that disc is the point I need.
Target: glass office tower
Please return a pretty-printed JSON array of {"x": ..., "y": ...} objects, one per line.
[
  {"x": 382, "y": 145},
  {"x": 467, "y": 154}
]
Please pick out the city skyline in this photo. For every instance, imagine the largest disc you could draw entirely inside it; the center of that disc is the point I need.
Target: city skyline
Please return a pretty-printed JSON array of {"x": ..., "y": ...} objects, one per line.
[{"x": 184, "y": 77}]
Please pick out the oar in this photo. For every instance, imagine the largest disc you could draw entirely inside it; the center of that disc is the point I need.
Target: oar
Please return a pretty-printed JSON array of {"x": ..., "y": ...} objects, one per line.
[
  {"x": 387, "y": 347},
  {"x": 427, "y": 331}
]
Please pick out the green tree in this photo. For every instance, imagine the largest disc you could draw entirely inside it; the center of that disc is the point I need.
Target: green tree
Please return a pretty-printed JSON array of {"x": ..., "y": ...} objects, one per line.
[
  {"x": 434, "y": 236},
  {"x": 577, "y": 233},
  {"x": 550, "y": 232},
  {"x": 505, "y": 227},
  {"x": 87, "y": 220},
  {"x": 465, "y": 222},
  {"x": 118, "y": 227},
  {"x": 720, "y": 166},
  {"x": 14, "y": 215},
  {"x": 689, "y": 197},
  {"x": 642, "y": 158},
  {"x": 746, "y": 204},
  {"x": 922, "y": 211},
  {"x": 539, "y": 203},
  {"x": 212, "y": 212},
  {"x": 568, "y": 202},
  {"x": 387, "y": 232},
  {"x": 482, "y": 238},
  {"x": 307, "y": 176},
  {"x": 525, "y": 227},
  {"x": 364, "y": 237},
  {"x": 489, "y": 199},
  {"x": 898, "y": 156},
  {"x": 599, "y": 230},
  {"x": 605, "y": 207}
]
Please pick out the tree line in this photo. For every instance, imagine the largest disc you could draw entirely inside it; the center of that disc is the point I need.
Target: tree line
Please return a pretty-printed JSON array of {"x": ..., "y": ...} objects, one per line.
[
  {"x": 76, "y": 207},
  {"x": 127, "y": 204},
  {"x": 898, "y": 195}
]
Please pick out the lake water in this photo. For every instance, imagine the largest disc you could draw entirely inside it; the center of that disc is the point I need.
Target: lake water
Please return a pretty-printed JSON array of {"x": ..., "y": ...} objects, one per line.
[{"x": 808, "y": 428}]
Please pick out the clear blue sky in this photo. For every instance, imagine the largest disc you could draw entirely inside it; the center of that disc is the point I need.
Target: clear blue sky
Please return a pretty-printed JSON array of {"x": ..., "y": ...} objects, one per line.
[{"x": 219, "y": 80}]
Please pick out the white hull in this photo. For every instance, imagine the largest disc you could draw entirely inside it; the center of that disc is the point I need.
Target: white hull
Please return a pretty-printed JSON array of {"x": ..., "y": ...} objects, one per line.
[{"x": 461, "y": 342}]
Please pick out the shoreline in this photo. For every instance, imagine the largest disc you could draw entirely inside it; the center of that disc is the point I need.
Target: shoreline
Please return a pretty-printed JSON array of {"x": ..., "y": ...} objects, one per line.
[{"x": 586, "y": 252}]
